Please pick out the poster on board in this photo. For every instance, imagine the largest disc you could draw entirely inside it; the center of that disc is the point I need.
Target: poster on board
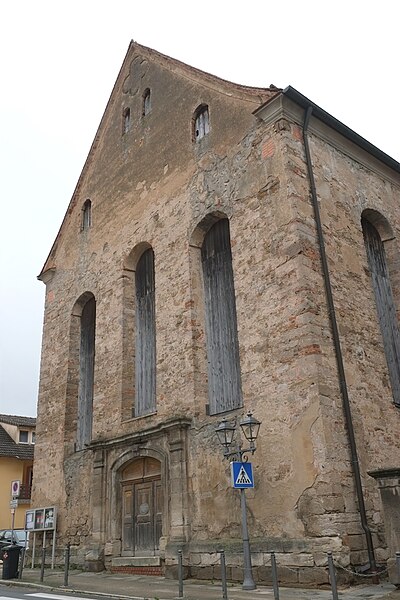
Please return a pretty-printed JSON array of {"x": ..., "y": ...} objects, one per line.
[
  {"x": 49, "y": 518},
  {"x": 29, "y": 519},
  {"x": 39, "y": 518}
]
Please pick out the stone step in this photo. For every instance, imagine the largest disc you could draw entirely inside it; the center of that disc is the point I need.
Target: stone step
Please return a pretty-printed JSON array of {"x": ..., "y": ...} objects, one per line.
[{"x": 136, "y": 561}]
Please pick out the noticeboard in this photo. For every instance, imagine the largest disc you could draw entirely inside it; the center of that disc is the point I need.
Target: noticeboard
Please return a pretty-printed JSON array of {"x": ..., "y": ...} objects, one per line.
[{"x": 40, "y": 519}]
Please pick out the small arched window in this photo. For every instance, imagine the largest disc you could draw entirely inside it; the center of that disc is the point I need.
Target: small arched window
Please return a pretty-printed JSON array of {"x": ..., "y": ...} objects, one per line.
[
  {"x": 146, "y": 107},
  {"x": 87, "y": 215},
  {"x": 201, "y": 123},
  {"x": 126, "y": 120}
]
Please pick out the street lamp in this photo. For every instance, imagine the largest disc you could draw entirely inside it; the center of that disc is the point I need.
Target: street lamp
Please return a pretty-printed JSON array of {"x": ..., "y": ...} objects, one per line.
[{"x": 226, "y": 432}]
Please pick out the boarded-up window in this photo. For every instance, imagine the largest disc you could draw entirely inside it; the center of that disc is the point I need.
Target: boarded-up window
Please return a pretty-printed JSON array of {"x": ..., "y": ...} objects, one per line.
[
  {"x": 224, "y": 382},
  {"x": 145, "y": 370},
  {"x": 384, "y": 304},
  {"x": 86, "y": 374}
]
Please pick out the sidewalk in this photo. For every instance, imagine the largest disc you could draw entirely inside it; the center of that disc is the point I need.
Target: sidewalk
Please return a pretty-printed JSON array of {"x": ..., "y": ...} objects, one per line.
[{"x": 141, "y": 587}]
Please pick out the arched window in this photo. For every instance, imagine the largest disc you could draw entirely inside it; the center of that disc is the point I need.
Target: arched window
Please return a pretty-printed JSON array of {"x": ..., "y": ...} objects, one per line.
[
  {"x": 126, "y": 120},
  {"x": 201, "y": 123},
  {"x": 86, "y": 373},
  {"x": 145, "y": 351},
  {"x": 146, "y": 107},
  {"x": 224, "y": 381},
  {"x": 87, "y": 215},
  {"x": 384, "y": 303}
]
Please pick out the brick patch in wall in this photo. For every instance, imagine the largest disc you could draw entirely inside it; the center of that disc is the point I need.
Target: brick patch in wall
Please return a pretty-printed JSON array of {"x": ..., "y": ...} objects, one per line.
[{"x": 268, "y": 149}]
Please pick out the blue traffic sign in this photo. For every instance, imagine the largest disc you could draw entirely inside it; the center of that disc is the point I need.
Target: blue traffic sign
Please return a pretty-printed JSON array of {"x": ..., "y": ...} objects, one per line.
[{"x": 242, "y": 475}]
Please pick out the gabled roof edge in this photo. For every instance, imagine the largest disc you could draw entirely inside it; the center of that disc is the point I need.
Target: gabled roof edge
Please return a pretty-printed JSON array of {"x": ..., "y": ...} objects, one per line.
[
  {"x": 321, "y": 114},
  {"x": 92, "y": 147}
]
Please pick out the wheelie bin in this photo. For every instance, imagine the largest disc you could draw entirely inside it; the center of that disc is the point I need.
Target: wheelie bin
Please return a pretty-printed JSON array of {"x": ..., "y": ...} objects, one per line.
[{"x": 10, "y": 558}]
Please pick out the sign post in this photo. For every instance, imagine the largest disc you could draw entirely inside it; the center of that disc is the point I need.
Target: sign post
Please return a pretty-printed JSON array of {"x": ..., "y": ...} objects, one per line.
[
  {"x": 242, "y": 478},
  {"x": 15, "y": 488}
]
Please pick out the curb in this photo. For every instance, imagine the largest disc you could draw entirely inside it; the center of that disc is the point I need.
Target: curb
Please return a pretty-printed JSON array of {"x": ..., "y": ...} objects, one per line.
[{"x": 71, "y": 590}]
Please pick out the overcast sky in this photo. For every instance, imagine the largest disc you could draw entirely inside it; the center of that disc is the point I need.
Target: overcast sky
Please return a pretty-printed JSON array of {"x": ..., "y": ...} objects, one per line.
[{"x": 59, "y": 61}]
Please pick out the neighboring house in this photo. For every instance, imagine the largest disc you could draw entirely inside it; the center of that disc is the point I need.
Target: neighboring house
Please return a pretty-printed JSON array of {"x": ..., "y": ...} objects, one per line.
[
  {"x": 17, "y": 439},
  {"x": 226, "y": 249}
]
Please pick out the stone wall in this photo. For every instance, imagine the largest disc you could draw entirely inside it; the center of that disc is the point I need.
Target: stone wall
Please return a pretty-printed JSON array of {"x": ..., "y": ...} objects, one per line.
[{"x": 154, "y": 186}]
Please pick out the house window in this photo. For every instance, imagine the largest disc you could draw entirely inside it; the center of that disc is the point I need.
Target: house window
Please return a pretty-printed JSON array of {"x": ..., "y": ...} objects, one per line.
[
  {"x": 224, "y": 381},
  {"x": 33, "y": 437},
  {"x": 23, "y": 437},
  {"x": 86, "y": 373},
  {"x": 384, "y": 303},
  {"x": 201, "y": 123},
  {"x": 87, "y": 215},
  {"x": 145, "y": 347},
  {"x": 146, "y": 102},
  {"x": 126, "y": 120}
]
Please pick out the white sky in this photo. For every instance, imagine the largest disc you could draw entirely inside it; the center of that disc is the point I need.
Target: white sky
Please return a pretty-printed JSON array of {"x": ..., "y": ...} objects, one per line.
[{"x": 59, "y": 61}]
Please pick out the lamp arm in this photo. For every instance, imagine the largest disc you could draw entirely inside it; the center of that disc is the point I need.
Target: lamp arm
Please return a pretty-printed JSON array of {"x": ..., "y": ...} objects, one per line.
[{"x": 240, "y": 452}]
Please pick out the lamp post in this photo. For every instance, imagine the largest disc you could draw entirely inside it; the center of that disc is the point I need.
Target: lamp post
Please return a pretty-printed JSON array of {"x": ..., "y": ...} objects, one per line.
[{"x": 226, "y": 433}]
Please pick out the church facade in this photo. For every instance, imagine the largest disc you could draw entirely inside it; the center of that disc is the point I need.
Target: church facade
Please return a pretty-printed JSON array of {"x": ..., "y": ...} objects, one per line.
[{"x": 227, "y": 250}]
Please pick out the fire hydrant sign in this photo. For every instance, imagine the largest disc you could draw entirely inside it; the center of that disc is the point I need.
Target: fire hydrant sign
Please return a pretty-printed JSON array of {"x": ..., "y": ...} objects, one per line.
[{"x": 242, "y": 475}]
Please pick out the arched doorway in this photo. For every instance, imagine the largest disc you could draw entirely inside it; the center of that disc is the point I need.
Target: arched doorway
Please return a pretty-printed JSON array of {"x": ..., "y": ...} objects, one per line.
[{"x": 141, "y": 507}]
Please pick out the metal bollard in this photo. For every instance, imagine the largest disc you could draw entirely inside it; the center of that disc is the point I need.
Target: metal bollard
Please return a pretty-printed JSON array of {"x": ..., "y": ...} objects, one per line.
[
  {"x": 223, "y": 576},
  {"x": 398, "y": 564},
  {"x": 21, "y": 563},
  {"x": 274, "y": 576},
  {"x": 332, "y": 577},
  {"x": 180, "y": 574},
  {"x": 43, "y": 563},
  {"x": 66, "y": 563}
]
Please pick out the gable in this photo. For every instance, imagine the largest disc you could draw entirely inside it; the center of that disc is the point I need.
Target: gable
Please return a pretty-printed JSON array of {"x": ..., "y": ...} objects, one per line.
[{"x": 158, "y": 143}]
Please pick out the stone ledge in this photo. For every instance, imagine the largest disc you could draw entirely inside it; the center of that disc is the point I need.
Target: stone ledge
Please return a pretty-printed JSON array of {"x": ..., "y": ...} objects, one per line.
[{"x": 136, "y": 561}]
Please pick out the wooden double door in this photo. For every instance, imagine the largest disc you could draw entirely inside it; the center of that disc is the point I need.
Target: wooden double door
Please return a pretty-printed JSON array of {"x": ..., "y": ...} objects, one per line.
[{"x": 142, "y": 505}]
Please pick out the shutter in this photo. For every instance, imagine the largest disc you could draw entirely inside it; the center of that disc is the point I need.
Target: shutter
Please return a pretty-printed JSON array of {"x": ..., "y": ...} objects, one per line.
[
  {"x": 86, "y": 373},
  {"x": 145, "y": 381},
  {"x": 384, "y": 304},
  {"x": 221, "y": 324}
]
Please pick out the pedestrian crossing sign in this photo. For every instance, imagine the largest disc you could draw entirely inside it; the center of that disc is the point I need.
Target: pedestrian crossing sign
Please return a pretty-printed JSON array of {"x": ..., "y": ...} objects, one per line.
[{"x": 242, "y": 475}]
